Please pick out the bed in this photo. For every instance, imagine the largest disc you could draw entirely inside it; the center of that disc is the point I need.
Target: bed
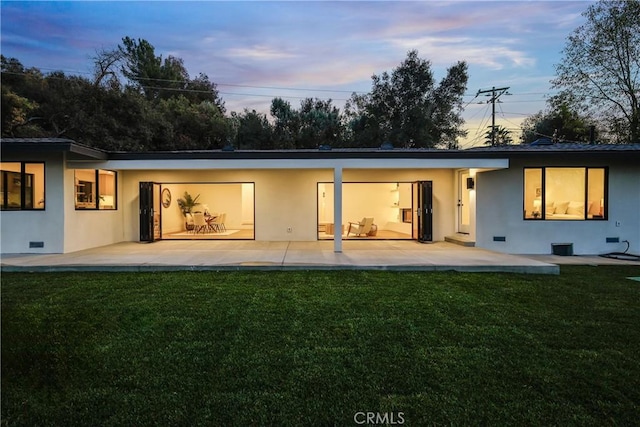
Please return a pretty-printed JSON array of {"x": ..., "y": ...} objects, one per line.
[{"x": 563, "y": 210}]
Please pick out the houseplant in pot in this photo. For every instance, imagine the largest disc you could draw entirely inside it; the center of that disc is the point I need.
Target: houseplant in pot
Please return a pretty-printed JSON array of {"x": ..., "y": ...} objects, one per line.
[{"x": 186, "y": 204}]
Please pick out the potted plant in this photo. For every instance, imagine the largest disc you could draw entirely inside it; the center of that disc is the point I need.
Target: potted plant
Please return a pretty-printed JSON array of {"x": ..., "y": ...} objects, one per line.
[{"x": 186, "y": 204}]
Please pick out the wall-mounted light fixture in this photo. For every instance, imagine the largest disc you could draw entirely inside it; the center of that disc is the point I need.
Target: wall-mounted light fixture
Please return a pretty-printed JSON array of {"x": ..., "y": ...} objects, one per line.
[{"x": 470, "y": 184}]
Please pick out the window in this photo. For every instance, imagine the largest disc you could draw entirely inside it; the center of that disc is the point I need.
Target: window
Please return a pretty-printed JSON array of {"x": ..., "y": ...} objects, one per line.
[
  {"x": 567, "y": 193},
  {"x": 95, "y": 189},
  {"x": 22, "y": 186}
]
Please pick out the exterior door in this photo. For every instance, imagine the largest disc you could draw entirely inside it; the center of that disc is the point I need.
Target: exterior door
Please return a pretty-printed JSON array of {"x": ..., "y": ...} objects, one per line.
[
  {"x": 464, "y": 213},
  {"x": 422, "y": 221},
  {"x": 150, "y": 212}
]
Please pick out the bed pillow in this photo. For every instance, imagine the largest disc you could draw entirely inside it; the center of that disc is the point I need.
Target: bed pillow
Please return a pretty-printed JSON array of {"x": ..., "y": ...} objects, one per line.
[
  {"x": 575, "y": 208},
  {"x": 549, "y": 208},
  {"x": 561, "y": 207}
]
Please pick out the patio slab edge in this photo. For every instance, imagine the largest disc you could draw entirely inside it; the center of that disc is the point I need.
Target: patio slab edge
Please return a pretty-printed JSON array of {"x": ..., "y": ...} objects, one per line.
[{"x": 551, "y": 269}]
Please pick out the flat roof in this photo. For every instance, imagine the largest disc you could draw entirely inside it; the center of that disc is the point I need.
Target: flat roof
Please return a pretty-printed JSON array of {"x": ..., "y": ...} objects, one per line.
[
  {"x": 52, "y": 145},
  {"x": 81, "y": 151}
]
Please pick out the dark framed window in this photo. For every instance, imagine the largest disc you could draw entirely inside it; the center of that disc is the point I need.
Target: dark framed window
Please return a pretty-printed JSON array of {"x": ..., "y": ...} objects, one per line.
[
  {"x": 96, "y": 189},
  {"x": 565, "y": 193},
  {"x": 22, "y": 186}
]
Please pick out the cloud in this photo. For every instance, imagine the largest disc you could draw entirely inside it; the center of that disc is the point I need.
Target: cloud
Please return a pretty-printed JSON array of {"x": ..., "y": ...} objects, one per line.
[
  {"x": 260, "y": 53},
  {"x": 314, "y": 45},
  {"x": 490, "y": 53}
]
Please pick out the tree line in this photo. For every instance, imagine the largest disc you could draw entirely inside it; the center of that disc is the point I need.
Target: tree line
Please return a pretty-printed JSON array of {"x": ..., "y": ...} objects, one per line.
[{"x": 137, "y": 100}]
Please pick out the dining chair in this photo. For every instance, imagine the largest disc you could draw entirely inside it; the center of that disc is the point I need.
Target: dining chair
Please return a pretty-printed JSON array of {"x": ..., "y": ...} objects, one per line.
[{"x": 199, "y": 223}]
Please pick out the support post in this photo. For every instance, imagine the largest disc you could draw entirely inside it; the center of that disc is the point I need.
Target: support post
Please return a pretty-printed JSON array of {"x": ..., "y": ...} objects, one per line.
[{"x": 337, "y": 209}]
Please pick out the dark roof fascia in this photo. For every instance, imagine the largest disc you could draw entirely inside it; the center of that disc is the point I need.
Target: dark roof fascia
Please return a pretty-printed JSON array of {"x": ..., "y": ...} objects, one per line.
[
  {"x": 574, "y": 151},
  {"x": 302, "y": 155},
  {"x": 51, "y": 145},
  {"x": 376, "y": 154}
]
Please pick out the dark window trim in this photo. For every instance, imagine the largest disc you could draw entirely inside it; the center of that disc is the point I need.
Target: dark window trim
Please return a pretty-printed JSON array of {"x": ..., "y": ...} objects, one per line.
[
  {"x": 23, "y": 175},
  {"x": 97, "y": 191},
  {"x": 543, "y": 216}
]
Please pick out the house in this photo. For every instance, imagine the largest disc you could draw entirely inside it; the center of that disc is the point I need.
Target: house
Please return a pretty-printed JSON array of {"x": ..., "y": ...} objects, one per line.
[{"x": 59, "y": 196}]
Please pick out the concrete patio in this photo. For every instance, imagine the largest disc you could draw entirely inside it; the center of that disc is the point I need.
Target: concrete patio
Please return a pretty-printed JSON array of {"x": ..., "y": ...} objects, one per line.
[{"x": 236, "y": 255}]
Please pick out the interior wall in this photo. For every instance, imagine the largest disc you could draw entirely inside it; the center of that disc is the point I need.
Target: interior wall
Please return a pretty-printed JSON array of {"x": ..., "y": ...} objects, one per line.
[
  {"x": 381, "y": 201},
  {"x": 564, "y": 185},
  {"x": 38, "y": 183},
  {"x": 234, "y": 199},
  {"x": 172, "y": 219},
  {"x": 248, "y": 197}
]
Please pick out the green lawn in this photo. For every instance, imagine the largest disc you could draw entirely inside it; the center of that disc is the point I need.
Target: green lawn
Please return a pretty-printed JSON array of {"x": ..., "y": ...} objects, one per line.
[{"x": 314, "y": 348}]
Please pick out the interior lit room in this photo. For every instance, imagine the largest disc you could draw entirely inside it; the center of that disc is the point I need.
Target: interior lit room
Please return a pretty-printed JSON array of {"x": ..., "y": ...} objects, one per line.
[
  {"x": 207, "y": 211},
  {"x": 371, "y": 210}
]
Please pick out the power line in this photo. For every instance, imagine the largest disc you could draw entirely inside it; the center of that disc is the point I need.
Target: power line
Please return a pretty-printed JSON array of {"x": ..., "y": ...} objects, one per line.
[
  {"x": 509, "y": 121},
  {"x": 495, "y": 94},
  {"x": 150, "y": 79}
]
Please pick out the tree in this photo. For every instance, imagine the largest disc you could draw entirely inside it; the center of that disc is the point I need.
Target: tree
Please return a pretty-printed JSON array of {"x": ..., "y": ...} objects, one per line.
[
  {"x": 320, "y": 124},
  {"x": 201, "y": 89},
  {"x": 316, "y": 123},
  {"x": 153, "y": 76},
  {"x": 561, "y": 118},
  {"x": 19, "y": 108},
  {"x": 601, "y": 66},
  {"x": 287, "y": 124},
  {"x": 105, "y": 67},
  {"x": 253, "y": 131},
  {"x": 407, "y": 109},
  {"x": 502, "y": 136}
]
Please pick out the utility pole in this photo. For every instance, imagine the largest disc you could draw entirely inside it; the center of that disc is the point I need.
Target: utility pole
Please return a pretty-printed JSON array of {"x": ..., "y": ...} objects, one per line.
[{"x": 495, "y": 94}]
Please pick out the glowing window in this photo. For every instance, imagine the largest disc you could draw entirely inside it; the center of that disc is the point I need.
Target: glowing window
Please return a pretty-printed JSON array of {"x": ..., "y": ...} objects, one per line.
[
  {"x": 22, "y": 186},
  {"x": 95, "y": 189},
  {"x": 565, "y": 193}
]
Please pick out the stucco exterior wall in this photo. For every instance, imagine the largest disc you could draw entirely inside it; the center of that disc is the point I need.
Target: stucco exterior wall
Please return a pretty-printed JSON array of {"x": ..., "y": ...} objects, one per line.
[
  {"x": 46, "y": 226},
  {"x": 499, "y": 213},
  {"x": 286, "y": 200},
  {"x": 85, "y": 229}
]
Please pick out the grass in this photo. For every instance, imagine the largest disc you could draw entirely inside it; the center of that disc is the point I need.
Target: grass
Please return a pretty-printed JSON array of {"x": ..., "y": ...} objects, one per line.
[{"x": 314, "y": 348}]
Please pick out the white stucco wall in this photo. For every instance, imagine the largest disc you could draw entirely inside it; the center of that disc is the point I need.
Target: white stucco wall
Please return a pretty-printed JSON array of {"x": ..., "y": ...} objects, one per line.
[
  {"x": 85, "y": 229},
  {"x": 287, "y": 199},
  {"x": 499, "y": 213},
  {"x": 21, "y": 227}
]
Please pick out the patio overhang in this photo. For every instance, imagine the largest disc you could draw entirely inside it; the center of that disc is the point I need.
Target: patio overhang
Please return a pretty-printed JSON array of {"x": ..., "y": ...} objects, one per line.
[{"x": 289, "y": 163}]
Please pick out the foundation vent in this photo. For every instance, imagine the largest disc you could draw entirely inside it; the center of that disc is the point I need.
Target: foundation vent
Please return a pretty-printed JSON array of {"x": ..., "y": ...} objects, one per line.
[
  {"x": 613, "y": 240},
  {"x": 499, "y": 239},
  {"x": 36, "y": 244}
]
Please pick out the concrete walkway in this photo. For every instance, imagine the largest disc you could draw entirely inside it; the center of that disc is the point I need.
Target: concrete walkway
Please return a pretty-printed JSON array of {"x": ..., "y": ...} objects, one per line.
[{"x": 236, "y": 255}]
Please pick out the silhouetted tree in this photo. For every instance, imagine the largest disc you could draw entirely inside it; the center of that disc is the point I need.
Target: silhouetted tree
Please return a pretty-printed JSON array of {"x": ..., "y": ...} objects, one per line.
[
  {"x": 601, "y": 66},
  {"x": 407, "y": 109}
]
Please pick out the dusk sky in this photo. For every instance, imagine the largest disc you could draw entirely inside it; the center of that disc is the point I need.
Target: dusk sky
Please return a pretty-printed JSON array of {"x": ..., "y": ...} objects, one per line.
[{"x": 256, "y": 51}]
